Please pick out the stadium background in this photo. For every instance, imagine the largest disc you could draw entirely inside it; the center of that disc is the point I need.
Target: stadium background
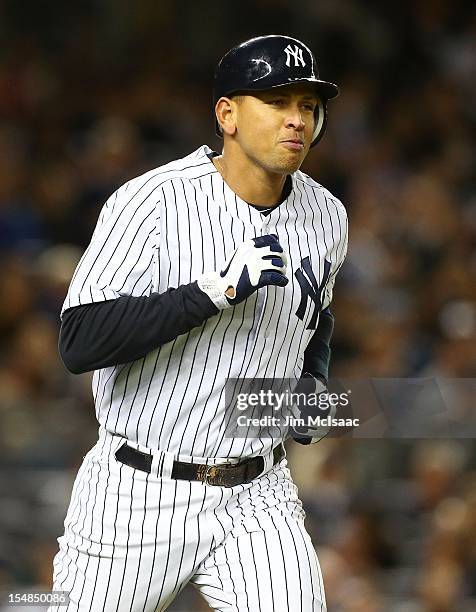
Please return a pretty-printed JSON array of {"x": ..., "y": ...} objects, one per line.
[{"x": 94, "y": 93}]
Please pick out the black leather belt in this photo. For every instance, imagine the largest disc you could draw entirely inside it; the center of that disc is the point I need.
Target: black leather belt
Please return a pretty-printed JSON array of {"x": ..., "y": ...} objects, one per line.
[{"x": 225, "y": 475}]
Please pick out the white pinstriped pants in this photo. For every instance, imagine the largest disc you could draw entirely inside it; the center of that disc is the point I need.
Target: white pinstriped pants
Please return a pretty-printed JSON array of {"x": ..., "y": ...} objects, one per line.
[{"x": 133, "y": 540}]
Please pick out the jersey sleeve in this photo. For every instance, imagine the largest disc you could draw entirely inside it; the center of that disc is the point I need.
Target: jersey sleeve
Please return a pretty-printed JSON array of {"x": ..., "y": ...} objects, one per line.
[
  {"x": 340, "y": 253},
  {"x": 121, "y": 257}
]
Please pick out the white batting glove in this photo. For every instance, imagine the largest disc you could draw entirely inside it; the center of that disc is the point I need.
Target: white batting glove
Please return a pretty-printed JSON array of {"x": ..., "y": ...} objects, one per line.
[{"x": 255, "y": 264}]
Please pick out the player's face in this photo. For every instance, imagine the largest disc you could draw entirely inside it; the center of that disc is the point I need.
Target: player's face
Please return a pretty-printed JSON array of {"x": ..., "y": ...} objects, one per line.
[{"x": 274, "y": 128}]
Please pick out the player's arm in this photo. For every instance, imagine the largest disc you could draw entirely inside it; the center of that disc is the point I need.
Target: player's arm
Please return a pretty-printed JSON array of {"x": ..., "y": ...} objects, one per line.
[
  {"x": 317, "y": 355},
  {"x": 107, "y": 333},
  {"x": 316, "y": 367},
  {"x": 318, "y": 352},
  {"x": 103, "y": 334}
]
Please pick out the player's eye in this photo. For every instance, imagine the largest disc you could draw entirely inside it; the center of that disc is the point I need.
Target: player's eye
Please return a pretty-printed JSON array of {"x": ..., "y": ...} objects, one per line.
[
  {"x": 308, "y": 106},
  {"x": 277, "y": 102}
]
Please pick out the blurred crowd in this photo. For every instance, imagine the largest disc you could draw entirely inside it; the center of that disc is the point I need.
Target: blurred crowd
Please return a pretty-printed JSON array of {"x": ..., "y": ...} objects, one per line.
[{"x": 94, "y": 93}]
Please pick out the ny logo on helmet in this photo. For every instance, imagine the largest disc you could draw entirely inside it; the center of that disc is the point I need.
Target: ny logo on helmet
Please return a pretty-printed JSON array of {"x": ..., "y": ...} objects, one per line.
[{"x": 296, "y": 53}]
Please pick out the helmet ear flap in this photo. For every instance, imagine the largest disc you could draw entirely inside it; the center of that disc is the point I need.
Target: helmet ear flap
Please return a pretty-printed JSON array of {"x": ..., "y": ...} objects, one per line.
[{"x": 320, "y": 116}]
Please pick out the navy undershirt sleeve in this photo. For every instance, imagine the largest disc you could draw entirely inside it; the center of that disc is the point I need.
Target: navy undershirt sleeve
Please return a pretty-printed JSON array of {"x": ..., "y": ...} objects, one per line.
[
  {"x": 109, "y": 333},
  {"x": 318, "y": 352}
]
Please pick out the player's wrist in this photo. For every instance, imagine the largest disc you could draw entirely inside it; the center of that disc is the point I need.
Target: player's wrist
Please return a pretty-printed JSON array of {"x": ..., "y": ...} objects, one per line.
[
  {"x": 215, "y": 287},
  {"x": 312, "y": 384},
  {"x": 319, "y": 381}
]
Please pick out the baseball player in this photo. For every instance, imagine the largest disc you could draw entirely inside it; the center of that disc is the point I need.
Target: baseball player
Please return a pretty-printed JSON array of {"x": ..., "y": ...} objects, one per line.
[{"x": 209, "y": 268}]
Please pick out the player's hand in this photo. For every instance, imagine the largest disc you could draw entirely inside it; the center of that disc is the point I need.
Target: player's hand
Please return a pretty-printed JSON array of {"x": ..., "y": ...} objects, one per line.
[
  {"x": 255, "y": 263},
  {"x": 311, "y": 434}
]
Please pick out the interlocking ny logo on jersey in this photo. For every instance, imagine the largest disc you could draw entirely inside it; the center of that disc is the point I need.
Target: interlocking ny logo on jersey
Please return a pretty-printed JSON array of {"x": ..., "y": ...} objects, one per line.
[
  {"x": 311, "y": 289},
  {"x": 296, "y": 53}
]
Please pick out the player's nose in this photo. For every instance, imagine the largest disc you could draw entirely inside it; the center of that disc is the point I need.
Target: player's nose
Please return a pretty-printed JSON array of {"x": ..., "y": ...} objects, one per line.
[{"x": 294, "y": 118}]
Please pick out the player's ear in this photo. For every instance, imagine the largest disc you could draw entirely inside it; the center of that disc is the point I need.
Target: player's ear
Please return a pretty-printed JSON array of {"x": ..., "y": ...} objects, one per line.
[{"x": 225, "y": 110}]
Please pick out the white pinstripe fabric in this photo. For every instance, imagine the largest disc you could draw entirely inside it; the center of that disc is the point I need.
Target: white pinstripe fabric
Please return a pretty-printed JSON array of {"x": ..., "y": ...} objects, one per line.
[
  {"x": 133, "y": 540},
  {"x": 271, "y": 569},
  {"x": 166, "y": 228}
]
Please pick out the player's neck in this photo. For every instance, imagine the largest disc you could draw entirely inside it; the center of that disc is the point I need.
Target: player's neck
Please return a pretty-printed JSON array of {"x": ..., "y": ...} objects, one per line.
[{"x": 250, "y": 182}]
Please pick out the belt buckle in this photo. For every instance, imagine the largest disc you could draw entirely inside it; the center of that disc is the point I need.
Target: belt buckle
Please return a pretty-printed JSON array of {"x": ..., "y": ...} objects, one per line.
[
  {"x": 207, "y": 473},
  {"x": 214, "y": 475}
]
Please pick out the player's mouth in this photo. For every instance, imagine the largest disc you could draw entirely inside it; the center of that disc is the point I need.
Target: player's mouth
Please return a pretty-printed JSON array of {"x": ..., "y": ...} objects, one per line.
[{"x": 295, "y": 144}]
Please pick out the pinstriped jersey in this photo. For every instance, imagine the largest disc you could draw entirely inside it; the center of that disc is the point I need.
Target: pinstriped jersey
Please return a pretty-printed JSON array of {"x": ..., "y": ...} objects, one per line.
[{"x": 166, "y": 228}]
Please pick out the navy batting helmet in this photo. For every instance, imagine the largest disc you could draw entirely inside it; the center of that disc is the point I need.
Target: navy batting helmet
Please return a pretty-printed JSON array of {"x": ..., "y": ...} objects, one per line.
[{"x": 272, "y": 61}]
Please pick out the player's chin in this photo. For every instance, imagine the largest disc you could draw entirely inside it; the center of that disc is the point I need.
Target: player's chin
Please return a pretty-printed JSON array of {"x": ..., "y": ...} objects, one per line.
[
  {"x": 290, "y": 165},
  {"x": 292, "y": 158}
]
